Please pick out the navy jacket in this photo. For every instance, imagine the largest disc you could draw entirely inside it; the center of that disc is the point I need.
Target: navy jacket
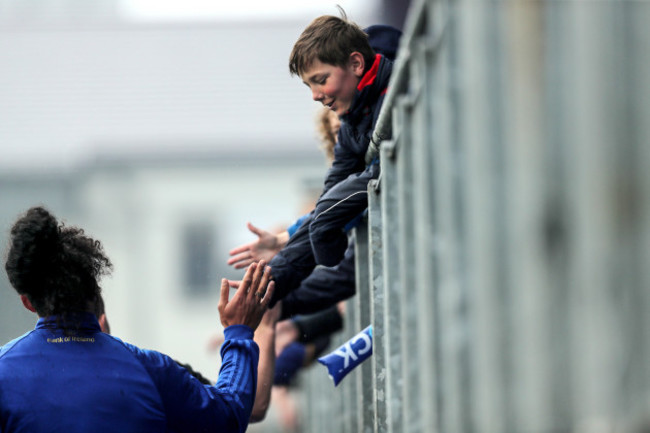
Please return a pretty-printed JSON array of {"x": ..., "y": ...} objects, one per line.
[
  {"x": 52, "y": 381},
  {"x": 297, "y": 259},
  {"x": 323, "y": 288},
  {"x": 358, "y": 123}
]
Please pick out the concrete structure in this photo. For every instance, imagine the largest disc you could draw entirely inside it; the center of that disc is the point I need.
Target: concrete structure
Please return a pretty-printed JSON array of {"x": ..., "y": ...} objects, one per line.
[{"x": 504, "y": 266}]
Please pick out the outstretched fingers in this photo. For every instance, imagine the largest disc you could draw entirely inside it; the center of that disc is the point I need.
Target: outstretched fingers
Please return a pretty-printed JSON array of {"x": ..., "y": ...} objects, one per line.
[
  {"x": 268, "y": 295},
  {"x": 265, "y": 281},
  {"x": 251, "y": 299},
  {"x": 259, "y": 232},
  {"x": 261, "y": 280},
  {"x": 257, "y": 278},
  {"x": 242, "y": 249},
  {"x": 240, "y": 260},
  {"x": 245, "y": 285},
  {"x": 224, "y": 294},
  {"x": 234, "y": 284}
]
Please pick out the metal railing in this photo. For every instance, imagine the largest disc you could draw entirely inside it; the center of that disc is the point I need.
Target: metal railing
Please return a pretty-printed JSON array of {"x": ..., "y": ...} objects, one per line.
[{"x": 504, "y": 264}]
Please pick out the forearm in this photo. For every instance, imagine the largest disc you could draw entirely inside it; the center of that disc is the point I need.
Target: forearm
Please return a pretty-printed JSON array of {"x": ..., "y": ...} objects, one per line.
[
  {"x": 291, "y": 265},
  {"x": 316, "y": 325},
  {"x": 282, "y": 239},
  {"x": 314, "y": 349},
  {"x": 345, "y": 163},
  {"x": 265, "y": 338},
  {"x": 323, "y": 288},
  {"x": 237, "y": 380}
]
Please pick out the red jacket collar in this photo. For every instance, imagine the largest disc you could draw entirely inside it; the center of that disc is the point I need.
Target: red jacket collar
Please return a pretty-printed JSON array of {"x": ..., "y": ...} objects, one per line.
[{"x": 369, "y": 77}]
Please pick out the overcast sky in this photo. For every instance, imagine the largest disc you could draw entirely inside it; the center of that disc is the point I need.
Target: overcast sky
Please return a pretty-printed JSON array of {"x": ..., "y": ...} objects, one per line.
[
  {"x": 83, "y": 79},
  {"x": 175, "y": 10}
]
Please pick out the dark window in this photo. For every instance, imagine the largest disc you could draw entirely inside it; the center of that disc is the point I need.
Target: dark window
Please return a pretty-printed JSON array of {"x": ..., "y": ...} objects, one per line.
[{"x": 199, "y": 240}]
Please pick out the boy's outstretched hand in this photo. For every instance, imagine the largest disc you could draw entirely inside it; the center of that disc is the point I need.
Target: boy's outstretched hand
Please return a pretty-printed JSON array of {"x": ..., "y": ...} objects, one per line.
[
  {"x": 251, "y": 299},
  {"x": 265, "y": 247}
]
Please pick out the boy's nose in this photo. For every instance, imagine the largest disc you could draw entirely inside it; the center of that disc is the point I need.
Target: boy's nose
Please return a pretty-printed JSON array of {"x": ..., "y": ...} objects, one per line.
[{"x": 316, "y": 95}]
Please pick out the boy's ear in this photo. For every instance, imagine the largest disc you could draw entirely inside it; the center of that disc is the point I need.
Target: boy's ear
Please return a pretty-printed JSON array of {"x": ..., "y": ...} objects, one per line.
[{"x": 357, "y": 63}]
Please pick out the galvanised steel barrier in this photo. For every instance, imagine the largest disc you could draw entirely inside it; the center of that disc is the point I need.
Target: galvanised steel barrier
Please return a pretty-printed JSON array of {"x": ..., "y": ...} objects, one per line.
[{"x": 505, "y": 261}]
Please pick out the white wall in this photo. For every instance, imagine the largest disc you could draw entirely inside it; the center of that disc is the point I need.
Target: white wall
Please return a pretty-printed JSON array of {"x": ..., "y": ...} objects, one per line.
[{"x": 139, "y": 213}]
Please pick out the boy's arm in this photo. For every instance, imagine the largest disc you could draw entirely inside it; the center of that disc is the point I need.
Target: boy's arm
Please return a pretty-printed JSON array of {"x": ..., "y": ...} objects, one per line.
[
  {"x": 293, "y": 263},
  {"x": 313, "y": 326},
  {"x": 265, "y": 339},
  {"x": 334, "y": 210},
  {"x": 323, "y": 288},
  {"x": 345, "y": 163}
]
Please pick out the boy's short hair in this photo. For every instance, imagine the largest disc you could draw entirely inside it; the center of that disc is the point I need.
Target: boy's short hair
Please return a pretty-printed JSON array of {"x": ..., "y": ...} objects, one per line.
[{"x": 331, "y": 40}]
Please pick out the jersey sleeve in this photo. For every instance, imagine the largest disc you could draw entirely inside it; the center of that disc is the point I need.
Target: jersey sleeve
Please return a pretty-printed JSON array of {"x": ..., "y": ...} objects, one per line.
[{"x": 191, "y": 406}]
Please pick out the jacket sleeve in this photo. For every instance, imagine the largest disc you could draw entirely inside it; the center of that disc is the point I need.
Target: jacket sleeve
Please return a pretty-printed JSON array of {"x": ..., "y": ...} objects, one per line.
[
  {"x": 345, "y": 162},
  {"x": 293, "y": 263},
  {"x": 323, "y": 323},
  {"x": 191, "y": 406},
  {"x": 324, "y": 287}
]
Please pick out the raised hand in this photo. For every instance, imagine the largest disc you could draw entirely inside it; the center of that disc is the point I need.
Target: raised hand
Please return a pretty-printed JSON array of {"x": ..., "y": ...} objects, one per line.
[
  {"x": 265, "y": 247},
  {"x": 250, "y": 302}
]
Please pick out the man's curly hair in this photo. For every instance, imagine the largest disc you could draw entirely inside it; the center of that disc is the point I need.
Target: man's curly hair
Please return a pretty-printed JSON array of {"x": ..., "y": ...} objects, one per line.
[{"x": 55, "y": 266}]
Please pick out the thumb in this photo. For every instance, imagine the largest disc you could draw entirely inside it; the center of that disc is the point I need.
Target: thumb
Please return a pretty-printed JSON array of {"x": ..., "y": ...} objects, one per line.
[
  {"x": 234, "y": 283},
  {"x": 252, "y": 228},
  {"x": 225, "y": 292}
]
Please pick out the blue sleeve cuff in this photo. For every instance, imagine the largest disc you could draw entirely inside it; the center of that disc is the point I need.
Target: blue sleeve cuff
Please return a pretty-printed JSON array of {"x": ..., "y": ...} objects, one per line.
[
  {"x": 293, "y": 228},
  {"x": 288, "y": 363},
  {"x": 238, "y": 332}
]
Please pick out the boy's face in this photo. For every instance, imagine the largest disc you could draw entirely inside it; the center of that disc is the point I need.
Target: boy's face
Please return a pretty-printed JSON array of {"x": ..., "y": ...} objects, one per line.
[{"x": 333, "y": 86}]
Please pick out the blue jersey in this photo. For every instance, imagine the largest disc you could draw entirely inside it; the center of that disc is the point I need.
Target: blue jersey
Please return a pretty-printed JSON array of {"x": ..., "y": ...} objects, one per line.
[{"x": 84, "y": 380}]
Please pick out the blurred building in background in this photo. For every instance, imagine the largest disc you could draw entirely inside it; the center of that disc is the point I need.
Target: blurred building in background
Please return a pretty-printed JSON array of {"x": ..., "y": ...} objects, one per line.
[{"x": 161, "y": 138}]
